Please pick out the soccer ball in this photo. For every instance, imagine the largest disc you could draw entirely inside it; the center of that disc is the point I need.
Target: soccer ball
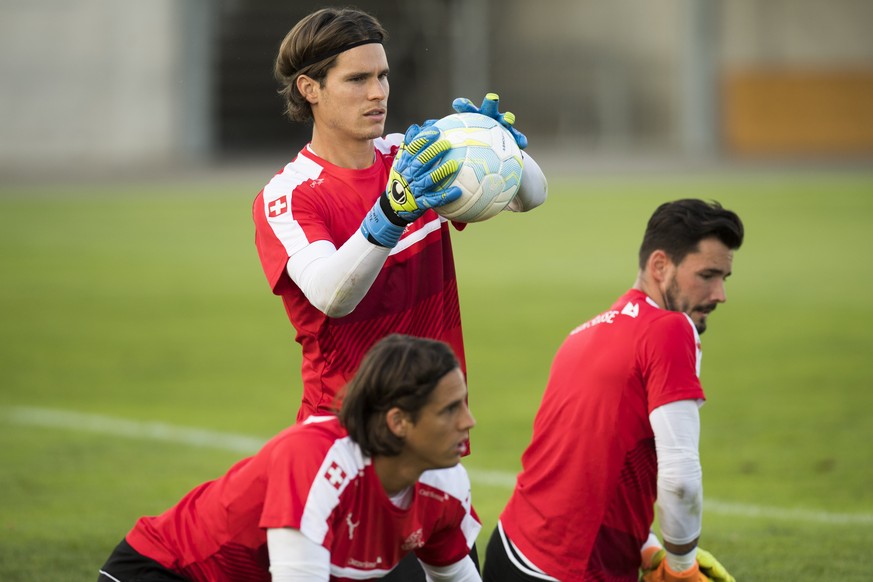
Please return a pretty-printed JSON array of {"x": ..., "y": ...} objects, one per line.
[{"x": 490, "y": 166}]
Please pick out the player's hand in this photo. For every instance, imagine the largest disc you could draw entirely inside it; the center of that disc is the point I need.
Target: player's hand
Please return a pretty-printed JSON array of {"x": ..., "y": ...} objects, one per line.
[
  {"x": 413, "y": 185},
  {"x": 418, "y": 170},
  {"x": 708, "y": 567},
  {"x": 489, "y": 108},
  {"x": 712, "y": 568},
  {"x": 656, "y": 569}
]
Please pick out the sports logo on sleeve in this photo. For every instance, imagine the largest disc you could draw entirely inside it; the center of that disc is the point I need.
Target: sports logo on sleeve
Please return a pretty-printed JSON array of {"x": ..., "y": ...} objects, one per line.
[
  {"x": 631, "y": 309},
  {"x": 278, "y": 207},
  {"x": 335, "y": 475}
]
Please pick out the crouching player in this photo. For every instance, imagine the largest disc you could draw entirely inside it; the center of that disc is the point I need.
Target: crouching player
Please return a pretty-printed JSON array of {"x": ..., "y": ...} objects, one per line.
[{"x": 337, "y": 497}]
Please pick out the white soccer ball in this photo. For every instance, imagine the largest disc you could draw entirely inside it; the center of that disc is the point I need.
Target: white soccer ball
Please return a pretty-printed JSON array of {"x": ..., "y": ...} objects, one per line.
[{"x": 490, "y": 166}]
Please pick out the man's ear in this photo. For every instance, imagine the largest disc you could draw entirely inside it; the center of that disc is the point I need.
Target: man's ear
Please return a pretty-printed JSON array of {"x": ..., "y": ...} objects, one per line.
[
  {"x": 308, "y": 87},
  {"x": 658, "y": 265},
  {"x": 398, "y": 422}
]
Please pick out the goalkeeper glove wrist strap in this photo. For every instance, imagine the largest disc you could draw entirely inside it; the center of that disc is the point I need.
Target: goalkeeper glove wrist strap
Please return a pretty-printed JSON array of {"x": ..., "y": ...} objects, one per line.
[{"x": 382, "y": 226}]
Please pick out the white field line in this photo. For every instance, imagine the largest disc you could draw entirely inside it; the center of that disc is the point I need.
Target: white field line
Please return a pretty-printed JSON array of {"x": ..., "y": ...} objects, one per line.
[{"x": 244, "y": 444}]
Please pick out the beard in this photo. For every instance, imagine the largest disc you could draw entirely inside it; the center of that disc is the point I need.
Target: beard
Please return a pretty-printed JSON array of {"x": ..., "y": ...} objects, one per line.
[{"x": 674, "y": 302}]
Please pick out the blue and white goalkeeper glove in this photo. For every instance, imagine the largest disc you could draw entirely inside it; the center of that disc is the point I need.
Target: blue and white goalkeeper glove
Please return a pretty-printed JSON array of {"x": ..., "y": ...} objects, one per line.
[
  {"x": 489, "y": 108},
  {"x": 413, "y": 185}
]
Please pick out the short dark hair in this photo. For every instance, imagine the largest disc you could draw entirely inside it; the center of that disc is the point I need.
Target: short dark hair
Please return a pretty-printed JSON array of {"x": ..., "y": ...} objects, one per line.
[
  {"x": 321, "y": 33},
  {"x": 399, "y": 371},
  {"x": 678, "y": 227}
]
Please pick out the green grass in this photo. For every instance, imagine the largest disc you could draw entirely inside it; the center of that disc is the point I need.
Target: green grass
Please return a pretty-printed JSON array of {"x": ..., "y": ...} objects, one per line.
[{"x": 147, "y": 303}]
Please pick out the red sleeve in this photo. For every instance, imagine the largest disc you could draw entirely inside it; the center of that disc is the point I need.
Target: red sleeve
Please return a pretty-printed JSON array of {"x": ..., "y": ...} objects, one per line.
[
  {"x": 669, "y": 352},
  {"x": 270, "y": 249},
  {"x": 278, "y": 237},
  {"x": 448, "y": 544},
  {"x": 293, "y": 467}
]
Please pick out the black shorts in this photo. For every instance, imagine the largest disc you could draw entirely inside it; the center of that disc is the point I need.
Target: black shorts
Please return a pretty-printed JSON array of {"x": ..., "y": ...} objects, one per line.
[
  {"x": 409, "y": 570},
  {"x": 127, "y": 565},
  {"x": 500, "y": 563}
]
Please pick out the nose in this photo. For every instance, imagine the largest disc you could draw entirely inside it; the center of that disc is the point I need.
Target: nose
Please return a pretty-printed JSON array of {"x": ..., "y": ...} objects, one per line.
[
  {"x": 719, "y": 295},
  {"x": 379, "y": 89},
  {"x": 467, "y": 420}
]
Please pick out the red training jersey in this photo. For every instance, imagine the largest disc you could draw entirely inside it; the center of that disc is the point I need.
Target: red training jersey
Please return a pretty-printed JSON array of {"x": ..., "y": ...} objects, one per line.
[
  {"x": 314, "y": 478},
  {"x": 584, "y": 501},
  {"x": 416, "y": 292}
]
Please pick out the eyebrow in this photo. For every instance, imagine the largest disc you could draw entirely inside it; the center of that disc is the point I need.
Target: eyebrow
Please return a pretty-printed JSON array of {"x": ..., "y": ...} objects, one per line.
[
  {"x": 712, "y": 271},
  {"x": 454, "y": 402},
  {"x": 365, "y": 73}
]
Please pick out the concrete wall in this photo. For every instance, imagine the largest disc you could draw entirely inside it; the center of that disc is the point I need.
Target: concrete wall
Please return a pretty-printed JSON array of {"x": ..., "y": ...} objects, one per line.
[
  {"x": 131, "y": 82},
  {"x": 96, "y": 82},
  {"x": 797, "y": 33}
]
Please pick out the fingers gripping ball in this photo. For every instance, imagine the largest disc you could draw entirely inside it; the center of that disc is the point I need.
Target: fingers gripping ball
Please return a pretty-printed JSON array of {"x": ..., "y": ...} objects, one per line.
[
  {"x": 489, "y": 166},
  {"x": 489, "y": 108},
  {"x": 415, "y": 182}
]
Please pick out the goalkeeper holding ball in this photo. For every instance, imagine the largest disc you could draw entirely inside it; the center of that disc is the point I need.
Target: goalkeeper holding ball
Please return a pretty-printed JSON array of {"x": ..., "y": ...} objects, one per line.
[
  {"x": 618, "y": 427},
  {"x": 354, "y": 255}
]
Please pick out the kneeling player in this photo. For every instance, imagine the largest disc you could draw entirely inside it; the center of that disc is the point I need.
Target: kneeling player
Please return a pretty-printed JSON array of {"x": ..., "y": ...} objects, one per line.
[{"x": 335, "y": 498}]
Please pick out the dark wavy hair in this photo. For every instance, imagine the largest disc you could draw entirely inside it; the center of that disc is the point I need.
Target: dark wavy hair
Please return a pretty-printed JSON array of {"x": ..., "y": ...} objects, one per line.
[
  {"x": 678, "y": 227},
  {"x": 320, "y": 33},
  {"x": 399, "y": 371}
]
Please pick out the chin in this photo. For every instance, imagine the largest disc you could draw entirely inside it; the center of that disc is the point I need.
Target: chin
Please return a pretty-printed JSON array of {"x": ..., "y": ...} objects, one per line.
[{"x": 448, "y": 464}]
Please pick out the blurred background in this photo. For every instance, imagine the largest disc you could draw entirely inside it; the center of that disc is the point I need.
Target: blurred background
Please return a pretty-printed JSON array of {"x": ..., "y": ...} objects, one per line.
[
  {"x": 141, "y": 351},
  {"x": 111, "y": 84}
]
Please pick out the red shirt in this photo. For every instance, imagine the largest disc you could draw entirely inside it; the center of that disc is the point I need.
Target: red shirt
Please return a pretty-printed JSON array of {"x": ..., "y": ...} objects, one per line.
[
  {"x": 310, "y": 477},
  {"x": 415, "y": 293},
  {"x": 583, "y": 503}
]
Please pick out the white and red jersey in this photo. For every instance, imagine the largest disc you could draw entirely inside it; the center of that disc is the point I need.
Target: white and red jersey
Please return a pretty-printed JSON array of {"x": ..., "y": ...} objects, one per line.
[
  {"x": 415, "y": 293},
  {"x": 314, "y": 478},
  {"x": 583, "y": 503}
]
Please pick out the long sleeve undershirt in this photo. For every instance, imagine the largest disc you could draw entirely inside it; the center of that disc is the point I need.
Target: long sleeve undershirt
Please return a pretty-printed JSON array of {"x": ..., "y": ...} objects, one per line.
[{"x": 335, "y": 280}]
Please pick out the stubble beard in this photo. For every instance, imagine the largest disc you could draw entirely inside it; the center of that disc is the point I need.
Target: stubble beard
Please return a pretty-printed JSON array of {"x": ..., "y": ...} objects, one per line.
[{"x": 673, "y": 303}]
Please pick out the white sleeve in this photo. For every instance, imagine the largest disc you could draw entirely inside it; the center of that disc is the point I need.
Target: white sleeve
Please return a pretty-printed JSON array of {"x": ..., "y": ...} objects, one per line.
[
  {"x": 335, "y": 280},
  {"x": 534, "y": 187},
  {"x": 680, "y": 479},
  {"x": 461, "y": 571},
  {"x": 296, "y": 558}
]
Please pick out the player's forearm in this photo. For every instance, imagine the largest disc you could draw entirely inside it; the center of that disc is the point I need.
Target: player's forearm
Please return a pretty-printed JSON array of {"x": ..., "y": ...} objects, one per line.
[
  {"x": 296, "y": 558},
  {"x": 336, "y": 280},
  {"x": 680, "y": 478},
  {"x": 462, "y": 571},
  {"x": 534, "y": 187},
  {"x": 680, "y": 549}
]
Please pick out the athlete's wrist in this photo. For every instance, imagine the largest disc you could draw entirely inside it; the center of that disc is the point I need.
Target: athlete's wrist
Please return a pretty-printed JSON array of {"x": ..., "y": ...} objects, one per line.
[{"x": 381, "y": 225}]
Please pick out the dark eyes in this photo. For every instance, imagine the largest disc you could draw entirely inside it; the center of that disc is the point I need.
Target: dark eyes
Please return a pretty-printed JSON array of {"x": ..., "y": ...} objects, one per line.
[
  {"x": 454, "y": 407},
  {"x": 362, "y": 78}
]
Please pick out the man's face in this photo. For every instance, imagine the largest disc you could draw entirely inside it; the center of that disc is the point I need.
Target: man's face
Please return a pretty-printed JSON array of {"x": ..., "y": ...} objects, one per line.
[
  {"x": 353, "y": 103},
  {"x": 696, "y": 285},
  {"x": 439, "y": 437}
]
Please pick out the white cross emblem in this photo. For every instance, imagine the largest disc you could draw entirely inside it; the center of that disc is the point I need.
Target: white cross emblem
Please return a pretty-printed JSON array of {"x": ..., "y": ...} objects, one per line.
[
  {"x": 335, "y": 475},
  {"x": 279, "y": 206}
]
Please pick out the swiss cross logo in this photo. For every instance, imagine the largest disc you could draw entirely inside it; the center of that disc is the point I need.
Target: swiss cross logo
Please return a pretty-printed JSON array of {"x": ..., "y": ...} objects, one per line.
[
  {"x": 335, "y": 475},
  {"x": 278, "y": 207},
  {"x": 413, "y": 541}
]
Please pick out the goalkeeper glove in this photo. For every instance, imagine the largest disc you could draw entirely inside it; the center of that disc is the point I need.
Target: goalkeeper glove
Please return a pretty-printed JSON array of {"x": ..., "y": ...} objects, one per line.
[
  {"x": 712, "y": 567},
  {"x": 705, "y": 569},
  {"x": 663, "y": 573},
  {"x": 489, "y": 108},
  {"x": 413, "y": 185}
]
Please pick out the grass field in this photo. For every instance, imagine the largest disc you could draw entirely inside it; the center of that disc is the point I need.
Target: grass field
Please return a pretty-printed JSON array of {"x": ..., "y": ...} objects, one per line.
[{"x": 132, "y": 313}]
